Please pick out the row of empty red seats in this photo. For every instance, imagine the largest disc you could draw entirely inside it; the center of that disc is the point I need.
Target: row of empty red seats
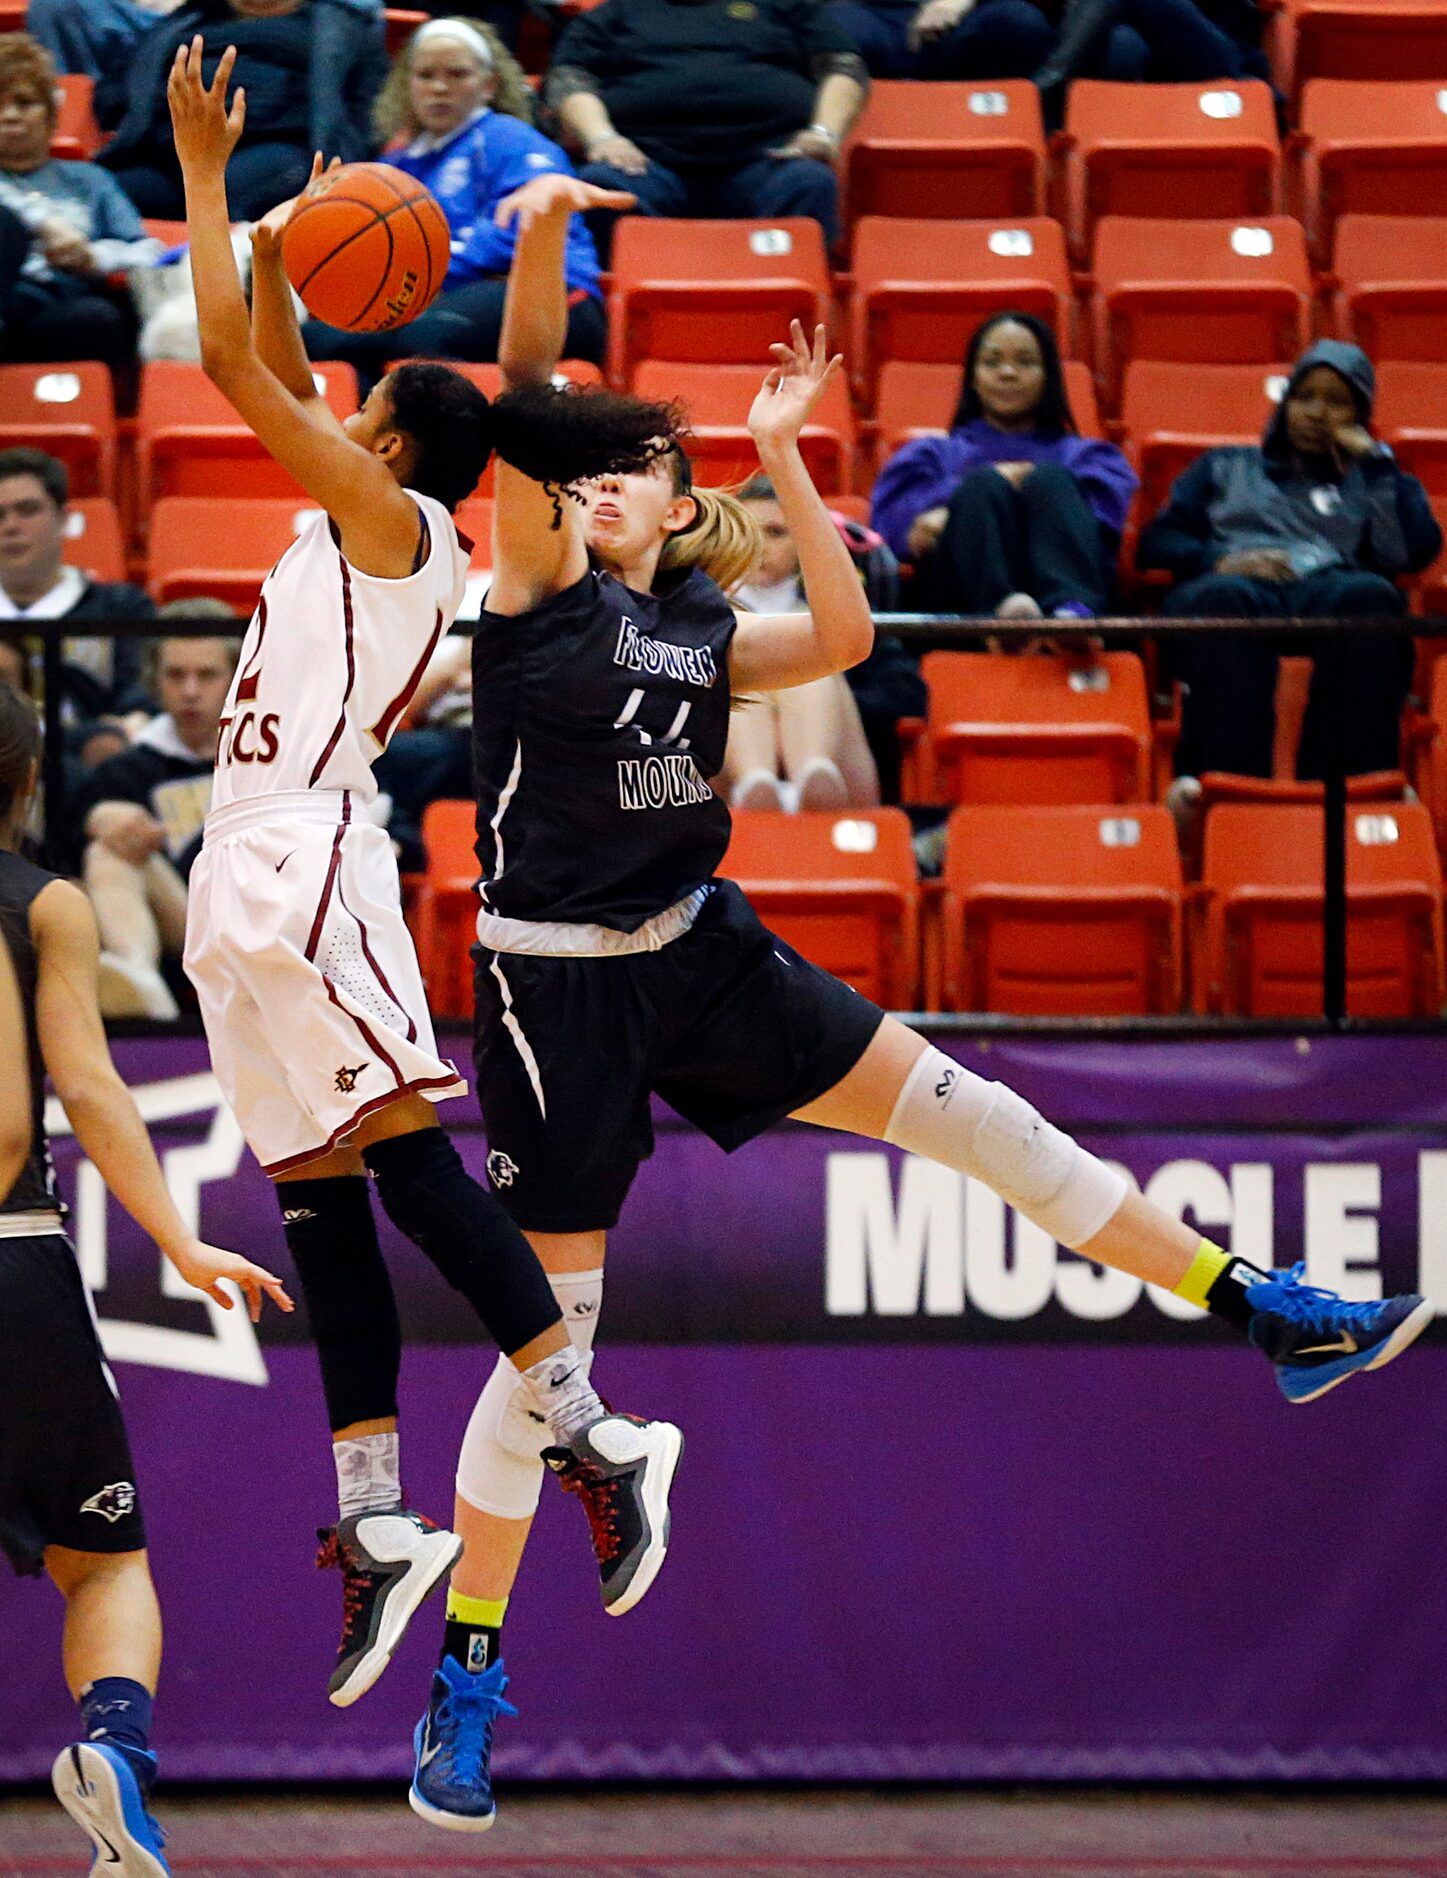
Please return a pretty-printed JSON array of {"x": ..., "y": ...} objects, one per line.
[{"x": 1075, "y": 911}]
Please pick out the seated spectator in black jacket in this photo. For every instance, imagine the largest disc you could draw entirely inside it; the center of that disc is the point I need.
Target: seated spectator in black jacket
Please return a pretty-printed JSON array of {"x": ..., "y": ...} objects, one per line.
[
  {"x": 65, "y": 229},
  {"x": 1315, "y": 523},
  {"x": 311, "y": 70},
  {"x": 137, "y": 822},
  {"x": 710, "y": 107},
  {"x": 102, "y": 676}
]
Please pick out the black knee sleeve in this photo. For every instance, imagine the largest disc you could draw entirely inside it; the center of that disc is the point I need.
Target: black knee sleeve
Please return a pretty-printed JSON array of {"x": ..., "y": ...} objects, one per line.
[
  {"x": 429, "y": 1195},
  {"x": 348, "y": 1293}
]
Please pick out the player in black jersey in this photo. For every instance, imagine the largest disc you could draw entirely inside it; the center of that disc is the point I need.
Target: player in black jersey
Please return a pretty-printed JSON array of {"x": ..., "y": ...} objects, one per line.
[
  {"x": 68, "y": 1498},
  {"x": 613, "y": 965}
]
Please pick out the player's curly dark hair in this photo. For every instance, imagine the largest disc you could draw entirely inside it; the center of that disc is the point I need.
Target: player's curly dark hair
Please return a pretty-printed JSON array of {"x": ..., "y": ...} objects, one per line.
[
  {"x": 558, "y": 435},
  {"x": 19, "y": 745}
]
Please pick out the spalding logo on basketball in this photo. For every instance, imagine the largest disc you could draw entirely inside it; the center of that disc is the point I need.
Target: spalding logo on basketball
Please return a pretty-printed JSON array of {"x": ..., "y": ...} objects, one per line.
[{"x": 368, "y": 248}]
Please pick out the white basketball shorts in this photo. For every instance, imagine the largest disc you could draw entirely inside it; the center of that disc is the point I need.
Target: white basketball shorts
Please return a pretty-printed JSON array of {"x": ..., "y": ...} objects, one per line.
[{"x": 309, "y": 985}]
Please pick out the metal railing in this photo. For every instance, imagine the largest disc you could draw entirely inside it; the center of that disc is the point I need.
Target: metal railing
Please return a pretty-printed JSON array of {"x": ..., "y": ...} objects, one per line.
[{"x": 924, "y": 631}]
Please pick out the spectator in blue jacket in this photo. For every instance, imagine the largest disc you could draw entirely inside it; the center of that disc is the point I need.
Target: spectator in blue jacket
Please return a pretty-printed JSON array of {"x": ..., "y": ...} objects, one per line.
[
  {"x": 1316, "y": 522},
  {"x": 311, "y": 70},
  {"x": 462, "y": 100}
]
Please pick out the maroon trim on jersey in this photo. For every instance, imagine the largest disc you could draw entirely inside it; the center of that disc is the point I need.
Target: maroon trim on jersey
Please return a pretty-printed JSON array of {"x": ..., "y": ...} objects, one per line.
[
  {"x": 387, "y": 722},
  {"x": 416, "y": 1087},
  {"x": 247, "y": 687},
  {"x": 314, "y": 936},
  {"x": 377, "y": 972},
  {"x": 366, "y": 1030},
  {"x": 335, "y": 737},
  {"x": 464, "y": 542}
]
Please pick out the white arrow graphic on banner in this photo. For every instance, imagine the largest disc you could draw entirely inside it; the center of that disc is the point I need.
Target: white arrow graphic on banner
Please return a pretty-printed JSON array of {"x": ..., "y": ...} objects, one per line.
[{"x": 231, "y": 1352}]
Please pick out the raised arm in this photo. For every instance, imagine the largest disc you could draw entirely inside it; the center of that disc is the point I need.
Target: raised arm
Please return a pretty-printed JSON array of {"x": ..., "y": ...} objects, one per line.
[
  {"x": 102, "y": 1111},
  {"x": 275, "y": 331},
  {"x": 533, "y": 553},
  {"x": 377, "y": 520},
  {"x": 772, "y": 652}
]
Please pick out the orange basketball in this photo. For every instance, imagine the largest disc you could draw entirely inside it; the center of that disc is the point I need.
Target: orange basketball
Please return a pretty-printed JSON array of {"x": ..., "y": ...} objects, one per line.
[{"x": 368, "y": 249}]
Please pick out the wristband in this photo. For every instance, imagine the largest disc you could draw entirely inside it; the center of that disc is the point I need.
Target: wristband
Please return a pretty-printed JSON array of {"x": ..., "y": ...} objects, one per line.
[{"x": 823, "y": 130}]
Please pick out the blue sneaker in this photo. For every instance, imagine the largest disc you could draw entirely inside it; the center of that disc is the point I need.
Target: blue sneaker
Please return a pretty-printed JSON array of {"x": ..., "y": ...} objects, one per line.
[
  {"x": 1317, "y": 1339},
  {"x": 97, "y": 1785},
  {"x": 452, "y": 1787}
]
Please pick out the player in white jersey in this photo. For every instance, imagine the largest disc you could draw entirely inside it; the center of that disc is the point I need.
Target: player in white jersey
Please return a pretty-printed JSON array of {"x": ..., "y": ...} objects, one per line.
[{"x": 308, "y": 982}]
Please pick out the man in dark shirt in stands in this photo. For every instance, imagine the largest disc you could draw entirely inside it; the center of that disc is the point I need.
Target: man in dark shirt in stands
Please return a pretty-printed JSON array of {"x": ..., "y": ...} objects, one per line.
[
  {"x": 102, "y": 678},
  {"x": 710, "y": 107}
]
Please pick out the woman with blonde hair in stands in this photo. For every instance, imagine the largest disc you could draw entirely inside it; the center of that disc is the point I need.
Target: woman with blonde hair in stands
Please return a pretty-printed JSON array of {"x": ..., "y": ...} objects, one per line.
[
  {"x": 613, "y": 965},
  {"x": 459, "y": 98},
  {"x": 803, "y": 748}
]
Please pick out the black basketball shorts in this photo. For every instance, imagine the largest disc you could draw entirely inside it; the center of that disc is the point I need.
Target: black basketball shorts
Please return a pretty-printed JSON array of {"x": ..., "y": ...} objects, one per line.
[
  {"x": 727, "y": 1023},
  {"x": 66, "y": 1476}
]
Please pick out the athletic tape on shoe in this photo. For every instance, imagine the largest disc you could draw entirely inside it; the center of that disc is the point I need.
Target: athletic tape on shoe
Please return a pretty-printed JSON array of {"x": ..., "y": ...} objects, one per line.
[
  {"x": 498, "y": 1469},
  {"x": 946, "y": 1113}
]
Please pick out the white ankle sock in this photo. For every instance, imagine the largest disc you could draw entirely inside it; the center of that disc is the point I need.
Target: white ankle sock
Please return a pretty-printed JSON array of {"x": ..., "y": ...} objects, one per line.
[
  {"x": 563, "y": 1395},
  {"x": 369, "y": 1474}
]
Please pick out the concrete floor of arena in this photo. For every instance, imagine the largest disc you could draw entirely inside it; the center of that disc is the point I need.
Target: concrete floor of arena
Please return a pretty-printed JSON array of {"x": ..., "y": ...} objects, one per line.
[{"x": 778, "y": 1835}]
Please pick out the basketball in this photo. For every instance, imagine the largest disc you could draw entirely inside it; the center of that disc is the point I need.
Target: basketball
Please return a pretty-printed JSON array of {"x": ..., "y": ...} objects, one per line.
[{"x": 367, "y": 249}]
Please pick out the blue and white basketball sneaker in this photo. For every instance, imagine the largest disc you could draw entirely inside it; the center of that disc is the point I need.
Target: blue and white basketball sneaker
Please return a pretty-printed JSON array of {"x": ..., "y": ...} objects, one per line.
[
  {"x": 97, "y": 1785},
  {"x": 453, "y": 1784},
  {"x": 1317, "y": 1339}
]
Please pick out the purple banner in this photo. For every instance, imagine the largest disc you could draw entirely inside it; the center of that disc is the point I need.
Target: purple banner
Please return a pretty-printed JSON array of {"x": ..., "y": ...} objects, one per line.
[{"x": 955, "y": 1503}]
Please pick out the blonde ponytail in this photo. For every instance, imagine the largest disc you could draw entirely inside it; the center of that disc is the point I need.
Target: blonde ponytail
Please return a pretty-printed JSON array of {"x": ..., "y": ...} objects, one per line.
[{"x": 723, "y": 538}]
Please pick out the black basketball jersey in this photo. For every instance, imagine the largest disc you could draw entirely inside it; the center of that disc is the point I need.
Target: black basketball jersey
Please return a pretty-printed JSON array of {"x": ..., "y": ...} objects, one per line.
[
  {"x": 20, "y": 883},
  {"x": 598, "y": 718}
]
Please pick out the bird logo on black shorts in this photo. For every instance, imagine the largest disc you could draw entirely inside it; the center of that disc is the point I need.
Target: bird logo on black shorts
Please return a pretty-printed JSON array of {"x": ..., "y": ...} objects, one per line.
[
  {"x": 501, "y": 1168},
  {"x": 112, "y": 1502}
]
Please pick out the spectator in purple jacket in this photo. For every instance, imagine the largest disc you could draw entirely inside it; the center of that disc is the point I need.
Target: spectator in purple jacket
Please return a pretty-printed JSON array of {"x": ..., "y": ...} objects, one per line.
[{"x": 1012, "y": 512}]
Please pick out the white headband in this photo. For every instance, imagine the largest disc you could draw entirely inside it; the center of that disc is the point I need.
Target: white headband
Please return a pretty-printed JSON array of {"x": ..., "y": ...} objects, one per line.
[{"x": 455, "y": 29}]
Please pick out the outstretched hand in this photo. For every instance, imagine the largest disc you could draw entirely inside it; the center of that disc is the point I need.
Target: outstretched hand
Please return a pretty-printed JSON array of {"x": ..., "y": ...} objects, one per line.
[
  {"x": 206, "y": 131},
  {"x": 793, "y": 388},
  {"x": 204, "y": 1266},
  {"x": 556, "y": 195},
  {"x": 269, "y": 229}
]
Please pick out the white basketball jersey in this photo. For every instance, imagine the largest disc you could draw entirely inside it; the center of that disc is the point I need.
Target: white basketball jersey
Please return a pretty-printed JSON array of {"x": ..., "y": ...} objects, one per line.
[{"x": 330, "y": 662}]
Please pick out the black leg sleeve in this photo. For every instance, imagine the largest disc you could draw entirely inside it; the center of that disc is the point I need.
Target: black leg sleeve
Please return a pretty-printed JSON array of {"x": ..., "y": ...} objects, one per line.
[
  {"x": 429, "y": 1195},
  {"x": 348, "y": 1293}
]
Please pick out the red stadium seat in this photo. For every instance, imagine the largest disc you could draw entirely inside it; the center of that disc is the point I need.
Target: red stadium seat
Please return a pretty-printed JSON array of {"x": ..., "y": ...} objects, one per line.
[
  {"x": 173, "y": 234},
  {"x": 93, "y": 538},
  {"x": 1411, "y": 415},
  {"x": 191, "y": 442},
  {"x": 920, "y": 288},
  {"x": 1062, "y": 912},
  {"x": 1171, "y": 413},
  {"x": 717, "y": 398},
  {"x": 1358, "y": 39},
  {"x": 1391, "y": 285},
  {"x": 1038, "y": 729},
  {"x": 205, "y": 545},
  {"x": 841, "y": 889},
  {"x": 918, "y": 400},
  {"x": 960, "y": 150},
  {"x": 715, "y": 293},
  {"x": 444, "y": 912},
  {"x": 488, "y": 379},
  {"x": 76, "y": 133},
  {"x": 400, "y": 24},
  {"x": 1259, "y": 945},
  {"x": 12, "y": 15},
  {"x": 1168, "y": 150},
  {"x": 474, "y": 524},
  {"x": 1207, "y": 293},
  {"x": 69, "y": 410},
  {"x": 1432, "y": 582},
  {"x": 1369, "y": 149}
]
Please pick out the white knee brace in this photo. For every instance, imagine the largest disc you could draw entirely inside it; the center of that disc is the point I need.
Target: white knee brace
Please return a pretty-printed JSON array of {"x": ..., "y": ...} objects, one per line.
[
  {"x": 948, "y": 1114},
  {"x": 498, "y": 1469}
]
